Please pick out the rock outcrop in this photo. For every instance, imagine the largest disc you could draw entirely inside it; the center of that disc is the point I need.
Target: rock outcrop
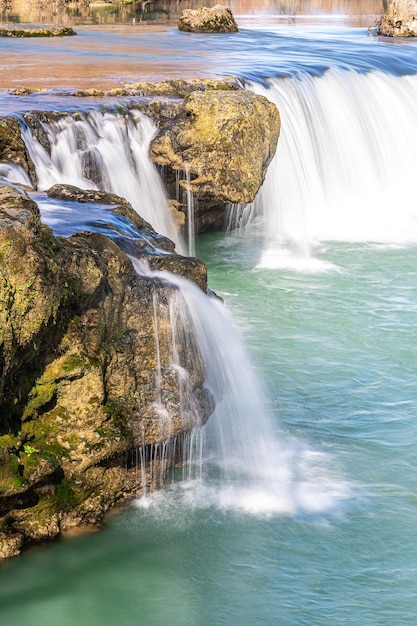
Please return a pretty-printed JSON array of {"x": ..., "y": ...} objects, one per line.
[
  {"x": 217, "y": 19},
  {"x": 84, "y": 386},
  {"x": 399, "y": 20},
  {"x": 224, "y": 140}
]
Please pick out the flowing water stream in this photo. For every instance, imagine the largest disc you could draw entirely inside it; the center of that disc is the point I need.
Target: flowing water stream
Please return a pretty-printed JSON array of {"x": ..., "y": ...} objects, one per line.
[{"x": 305, "y": 509}]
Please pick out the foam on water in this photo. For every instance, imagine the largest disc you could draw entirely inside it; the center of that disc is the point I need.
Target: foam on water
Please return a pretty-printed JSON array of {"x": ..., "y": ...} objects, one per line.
[{"x": 294, "y": 260}]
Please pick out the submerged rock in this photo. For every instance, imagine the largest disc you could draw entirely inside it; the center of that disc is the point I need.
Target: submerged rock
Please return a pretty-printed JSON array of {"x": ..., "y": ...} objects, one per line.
[
  {"x": 217, "y": 19},
  {"x": 399, "y": 20},
  {"x": 83, "y": 384},
  {"x": 224, "y": 141}
]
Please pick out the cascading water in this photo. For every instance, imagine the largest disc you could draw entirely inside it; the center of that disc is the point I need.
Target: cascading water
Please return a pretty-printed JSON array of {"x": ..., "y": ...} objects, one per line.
[
  {"x": 344, "y": 164},
  {"x": 243, "y": 464},
  {"x": 103, "y": 150}
]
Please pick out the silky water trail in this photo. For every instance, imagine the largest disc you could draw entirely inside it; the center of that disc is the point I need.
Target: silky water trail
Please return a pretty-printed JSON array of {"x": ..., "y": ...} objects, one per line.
[{"x": 307, "y": 515}]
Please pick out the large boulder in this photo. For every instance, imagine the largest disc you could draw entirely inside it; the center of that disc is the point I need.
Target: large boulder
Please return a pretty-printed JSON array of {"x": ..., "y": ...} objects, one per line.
[
  {"x": 217, "y": 19},
  {"x": 399, "y": 20},
  {"x": 87, "y": 387},
  {"x": 224, "y": 141}
]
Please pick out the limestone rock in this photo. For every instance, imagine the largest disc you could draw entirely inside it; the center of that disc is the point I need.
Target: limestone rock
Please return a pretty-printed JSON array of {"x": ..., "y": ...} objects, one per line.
[
  {"x": 225, "y": 140},
  {"x": 399, "y": 20},
  {"x": 217, "y": 19}
]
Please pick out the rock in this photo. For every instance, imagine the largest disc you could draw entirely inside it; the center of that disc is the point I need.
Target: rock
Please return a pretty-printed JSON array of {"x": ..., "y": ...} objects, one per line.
[
  {"x": 217, "y": 19},
  {"x": 78, "y": 363},
  {"x": 399, "y": 20},
  {"x": 182, "y": 87},
  {"x": 225, "y": 140},
  {"x": 35, "y": 30}
]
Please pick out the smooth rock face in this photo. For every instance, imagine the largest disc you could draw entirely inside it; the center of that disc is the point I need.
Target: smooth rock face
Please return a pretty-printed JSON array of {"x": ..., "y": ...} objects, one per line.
[
  {"x": 225, "y": 140},
  {"x": 399, "y": 20},
  {"x": 78, "y": 363},
  {"x": 217, "y": 19}
]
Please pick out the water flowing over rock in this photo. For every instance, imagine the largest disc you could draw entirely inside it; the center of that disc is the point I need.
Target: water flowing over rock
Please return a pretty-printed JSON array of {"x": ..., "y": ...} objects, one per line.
[
  {"x": 100, "y": 376},
  {"x": 217, "y": 19},
  {"x": 399, "y": 20},
  {"x": 87, "y": 384}
]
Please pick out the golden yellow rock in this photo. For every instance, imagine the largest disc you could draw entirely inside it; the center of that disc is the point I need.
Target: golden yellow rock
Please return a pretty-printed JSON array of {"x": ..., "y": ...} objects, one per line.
[{"x": 225, "y": 140}]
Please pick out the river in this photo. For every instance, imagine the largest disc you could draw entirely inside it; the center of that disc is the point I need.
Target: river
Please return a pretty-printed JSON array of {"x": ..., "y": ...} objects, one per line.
[{"x": 320, "y": 282}]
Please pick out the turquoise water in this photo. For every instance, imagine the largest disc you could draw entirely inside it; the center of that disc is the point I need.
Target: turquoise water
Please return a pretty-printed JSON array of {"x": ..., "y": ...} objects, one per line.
[{"x": 335, "y": 350}]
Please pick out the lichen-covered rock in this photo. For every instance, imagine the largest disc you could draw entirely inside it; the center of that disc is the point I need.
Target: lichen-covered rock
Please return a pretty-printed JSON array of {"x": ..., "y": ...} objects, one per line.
[
  {"x": 84, "y": 383},
  {"x": 224, "y": 140},
  {"x": 217, "y": 19},
  {"x": 399, "y": 20}
]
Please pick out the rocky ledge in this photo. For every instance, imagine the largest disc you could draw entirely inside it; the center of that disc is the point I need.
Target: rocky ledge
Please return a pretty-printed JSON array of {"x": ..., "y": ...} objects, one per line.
[
  {"x": 399, "y": 20},
  {"x": 215, "y": 137},
  {"x": 35, "y": 30},
  {"x": 79, "y": 401}
]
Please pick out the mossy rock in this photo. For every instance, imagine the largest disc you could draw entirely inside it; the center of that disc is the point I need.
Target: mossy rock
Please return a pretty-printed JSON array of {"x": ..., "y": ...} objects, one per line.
[{"x": 78, "y": 361}]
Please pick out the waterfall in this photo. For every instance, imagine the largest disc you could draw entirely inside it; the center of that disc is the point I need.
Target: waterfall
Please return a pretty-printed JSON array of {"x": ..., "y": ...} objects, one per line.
[
  {"x": 344, "y": 166},
  {"x": 103, "y": 150},
  {"x": 242, "y": 462},
  {"x": 190, "y": 215},
  {"x": 10, "y": 173}
]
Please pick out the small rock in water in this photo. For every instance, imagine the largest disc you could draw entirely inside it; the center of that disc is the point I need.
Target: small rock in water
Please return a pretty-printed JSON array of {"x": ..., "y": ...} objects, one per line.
[{"x": 217, "y": 19}]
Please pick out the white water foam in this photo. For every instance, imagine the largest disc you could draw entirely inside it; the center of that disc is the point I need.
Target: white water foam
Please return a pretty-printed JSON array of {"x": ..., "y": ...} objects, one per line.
[
  {"x": 293, "y": 259},
  {"x": 345, "y": 163},
  {"x": 248, "y": 465}
]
